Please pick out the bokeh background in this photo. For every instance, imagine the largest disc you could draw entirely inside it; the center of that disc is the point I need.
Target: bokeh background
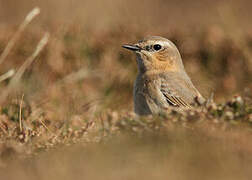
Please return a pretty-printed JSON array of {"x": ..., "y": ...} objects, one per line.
[
  {"x": 214, "y": 38},
  {"x": 83, "y": 76}
]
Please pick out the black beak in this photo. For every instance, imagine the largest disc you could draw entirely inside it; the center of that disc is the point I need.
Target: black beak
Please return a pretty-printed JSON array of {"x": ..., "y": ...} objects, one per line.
[{"x": 132, "y": 47}]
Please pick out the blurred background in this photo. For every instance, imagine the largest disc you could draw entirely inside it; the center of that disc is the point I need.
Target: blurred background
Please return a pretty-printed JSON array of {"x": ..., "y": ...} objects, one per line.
[{"x": 82, "y": 81}]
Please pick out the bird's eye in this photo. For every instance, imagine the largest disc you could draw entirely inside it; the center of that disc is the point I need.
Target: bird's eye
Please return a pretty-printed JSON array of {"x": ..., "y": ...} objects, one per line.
[{"x": 157, "y": 47}]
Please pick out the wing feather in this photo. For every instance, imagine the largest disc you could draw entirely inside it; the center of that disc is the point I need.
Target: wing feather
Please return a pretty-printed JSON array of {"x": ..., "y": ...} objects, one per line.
[
  {"x": 178, "y": 90},
  {"x": 175, "y": 100}
]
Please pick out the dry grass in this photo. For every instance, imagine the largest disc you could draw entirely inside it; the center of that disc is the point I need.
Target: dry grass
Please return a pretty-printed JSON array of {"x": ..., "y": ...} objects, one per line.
[{"x": 68, "y": 115}]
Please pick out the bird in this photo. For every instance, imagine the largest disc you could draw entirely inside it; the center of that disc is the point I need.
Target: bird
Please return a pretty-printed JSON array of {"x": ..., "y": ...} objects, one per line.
[{"x": 162, "y": 82}]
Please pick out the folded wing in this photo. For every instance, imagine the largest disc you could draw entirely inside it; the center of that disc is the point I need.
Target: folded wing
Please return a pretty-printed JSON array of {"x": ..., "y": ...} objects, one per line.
[{"x": 179, "y": 90}]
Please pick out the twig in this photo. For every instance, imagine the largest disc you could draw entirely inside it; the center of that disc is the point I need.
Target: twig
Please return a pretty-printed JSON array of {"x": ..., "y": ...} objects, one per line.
[
  {"x": 210, "y": 99},
  {"x": 3, "y": 129},
  {"x": 43, "y": 124},
  {"x": 7, "y": 75},
  {"x": 20, "y": 114},
  {"x": 28, "y": 62},
  {"x": 21, "y": 28},
  {"x": 15, "y": 80}
]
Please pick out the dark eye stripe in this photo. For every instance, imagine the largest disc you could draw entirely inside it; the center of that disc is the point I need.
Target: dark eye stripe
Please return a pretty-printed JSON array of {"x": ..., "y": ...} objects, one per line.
[{"x": 147, "y": 48}]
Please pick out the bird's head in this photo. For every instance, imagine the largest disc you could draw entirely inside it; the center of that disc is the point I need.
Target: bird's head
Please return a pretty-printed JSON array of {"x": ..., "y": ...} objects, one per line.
[{"x": 156, "y": 53}]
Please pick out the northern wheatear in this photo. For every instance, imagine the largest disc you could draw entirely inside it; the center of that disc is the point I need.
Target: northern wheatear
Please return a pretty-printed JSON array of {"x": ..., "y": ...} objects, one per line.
[{"x": 162, "y": 81}]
